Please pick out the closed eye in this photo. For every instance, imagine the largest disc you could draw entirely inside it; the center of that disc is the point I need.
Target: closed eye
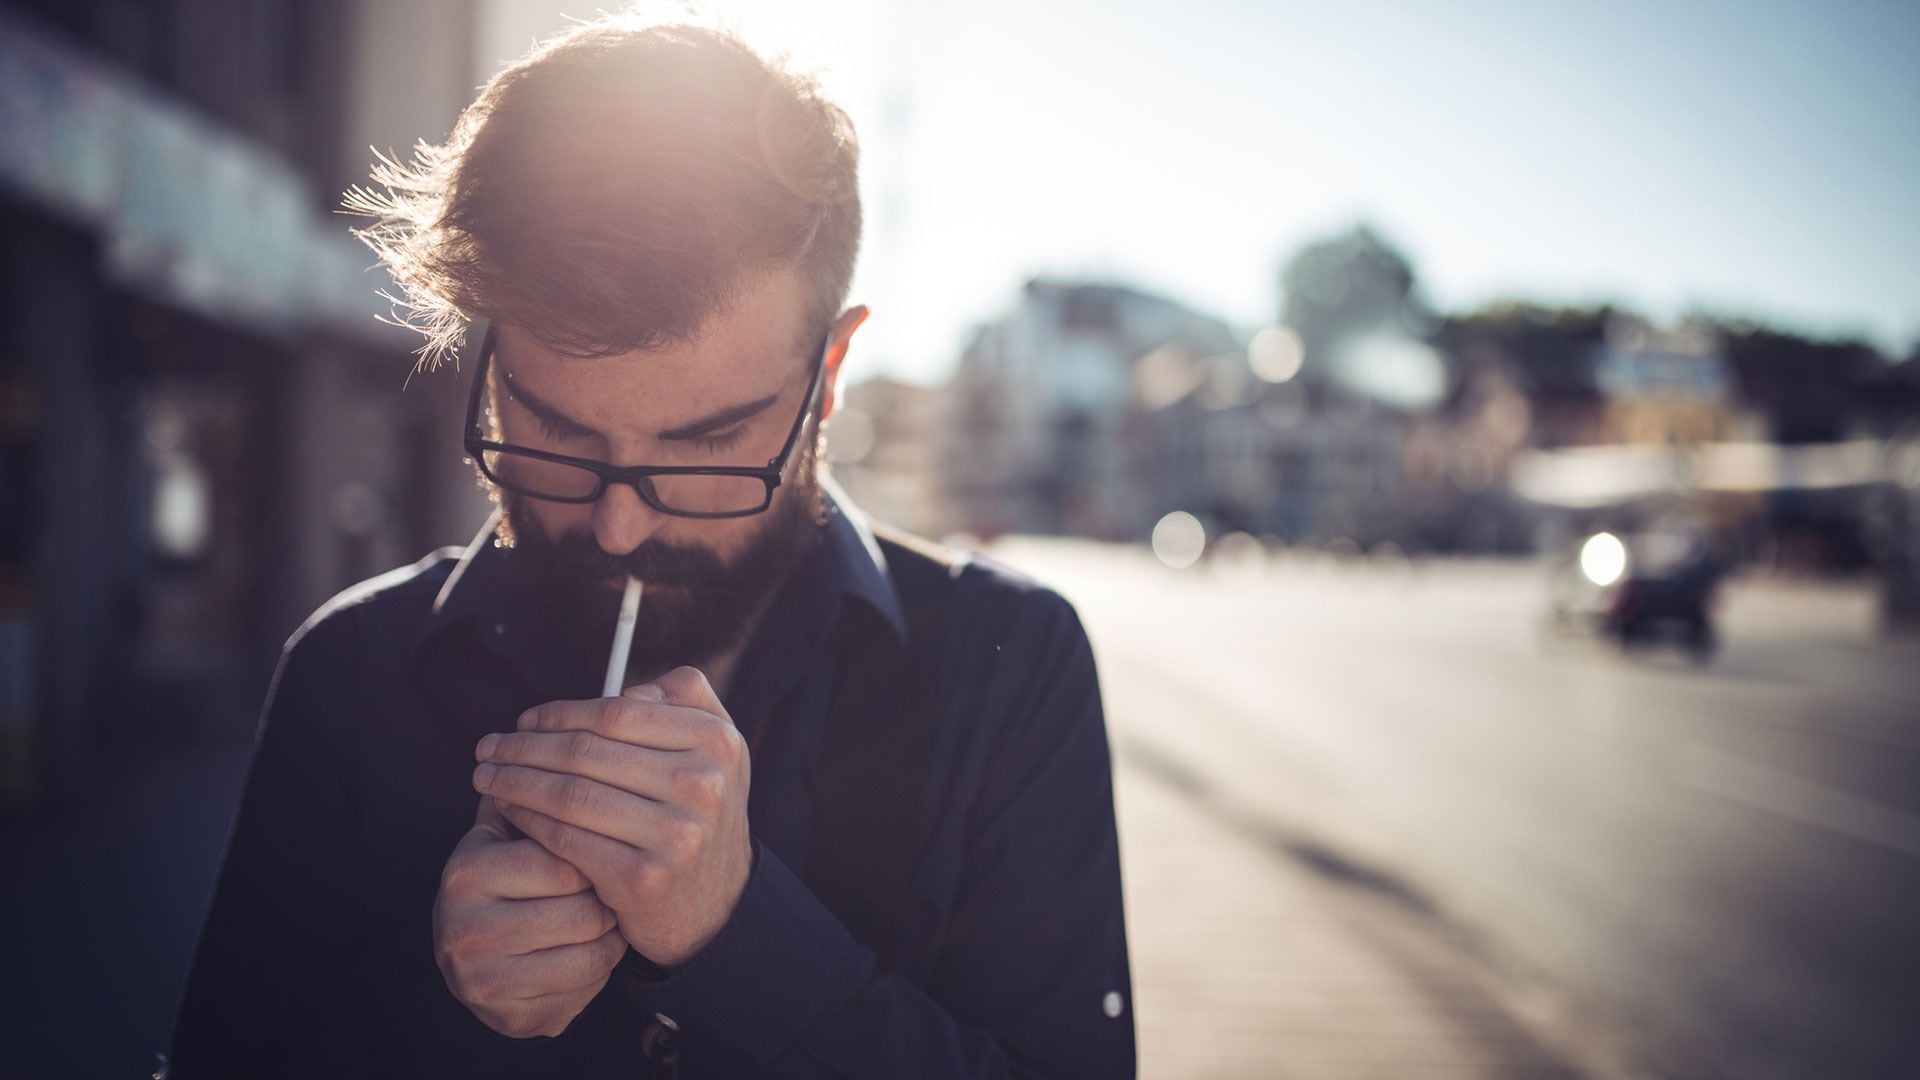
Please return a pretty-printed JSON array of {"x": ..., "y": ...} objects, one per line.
[
  {"x": 560, "y": 430},
  {"x": 716, "y": 443}
]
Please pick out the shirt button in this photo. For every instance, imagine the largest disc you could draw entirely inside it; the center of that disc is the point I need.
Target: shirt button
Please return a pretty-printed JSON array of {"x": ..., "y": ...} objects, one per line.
[{"x": 1112, "y": 1004}]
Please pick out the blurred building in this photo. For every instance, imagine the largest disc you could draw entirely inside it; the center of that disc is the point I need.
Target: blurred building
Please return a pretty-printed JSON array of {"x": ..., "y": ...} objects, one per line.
[
  {"x": 202, "y": 421},
  {"x": 1299, "y": 460},
  {"x": 1039, "y": 430},
  {"x": 884, "y": 443}
]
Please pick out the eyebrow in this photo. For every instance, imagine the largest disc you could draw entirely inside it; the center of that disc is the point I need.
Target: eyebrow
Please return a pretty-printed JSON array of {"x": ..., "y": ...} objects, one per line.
[{"x": 708, "y": 424}]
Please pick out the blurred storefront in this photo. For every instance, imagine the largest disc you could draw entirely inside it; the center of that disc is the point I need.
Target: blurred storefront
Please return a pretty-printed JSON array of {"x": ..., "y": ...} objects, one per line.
[{"x": 202, "y": 429}]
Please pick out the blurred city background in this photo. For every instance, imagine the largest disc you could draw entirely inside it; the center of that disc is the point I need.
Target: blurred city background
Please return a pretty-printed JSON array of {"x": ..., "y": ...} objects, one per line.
[{"x": 1483, "y": 441}]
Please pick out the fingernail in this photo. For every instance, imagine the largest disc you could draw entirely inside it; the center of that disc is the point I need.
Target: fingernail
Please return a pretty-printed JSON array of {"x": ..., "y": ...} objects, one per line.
[
  {"x": 487, "y": 743},
  {"x": 483, "y": 775},
  {"x": 646, "y": 692}
]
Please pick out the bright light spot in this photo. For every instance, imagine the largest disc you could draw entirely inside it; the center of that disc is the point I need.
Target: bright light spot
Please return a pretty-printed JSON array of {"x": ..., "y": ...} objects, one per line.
[
  {"x": 1275, "y": 354},
  {"x": 1603, "y": 558},
  {"x": 1178, "y": 540},
  {"x": 182, "y": 513}
]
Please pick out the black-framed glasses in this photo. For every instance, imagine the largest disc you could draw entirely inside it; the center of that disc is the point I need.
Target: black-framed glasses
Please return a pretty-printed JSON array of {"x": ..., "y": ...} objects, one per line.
[{"x": 694, "y": 491}]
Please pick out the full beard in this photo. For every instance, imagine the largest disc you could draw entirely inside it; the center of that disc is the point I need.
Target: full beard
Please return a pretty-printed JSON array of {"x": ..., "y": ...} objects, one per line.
[{"x": 696, "y": 607}]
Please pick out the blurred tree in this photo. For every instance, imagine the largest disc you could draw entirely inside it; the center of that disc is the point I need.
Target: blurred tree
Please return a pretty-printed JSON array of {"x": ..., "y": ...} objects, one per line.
[
  {"x": 1350, "y": 284},
  {"x": 1354, "y": 302},
  {"x": 1546, "y": 350},
  {"x": 1809, "y": 390},
  {"x": 1551, "y": 343}
]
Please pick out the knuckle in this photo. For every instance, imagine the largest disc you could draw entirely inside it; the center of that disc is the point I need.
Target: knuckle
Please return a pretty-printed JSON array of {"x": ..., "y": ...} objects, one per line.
[
  {"x": 576, "y": 793},
  {"x": 456, "y": 874},
  {"x": 458, "y": 981},
  {"x": 581, "y": 747},
  {"x": 483, "y": 984},
  {"x": 460, "y": 936},
  {"x": 608, "y": 714},
  {"x": 564, "y": 842},
  {"x": 683, "y": 838},
  {"x": 727, "y": 742},
  {"x": 645, "y": 877},
  {"x": 702, "y": 788}
]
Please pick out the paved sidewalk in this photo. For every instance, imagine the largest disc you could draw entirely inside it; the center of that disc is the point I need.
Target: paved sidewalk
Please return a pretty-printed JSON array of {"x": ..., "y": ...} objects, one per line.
[
  {"x": 1249, "y": 963},
  {"x": 1262, "y": 948}
]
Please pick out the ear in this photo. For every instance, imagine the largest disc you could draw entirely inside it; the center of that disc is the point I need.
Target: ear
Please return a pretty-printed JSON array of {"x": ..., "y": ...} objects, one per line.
[{"x": 837, "y": 342}]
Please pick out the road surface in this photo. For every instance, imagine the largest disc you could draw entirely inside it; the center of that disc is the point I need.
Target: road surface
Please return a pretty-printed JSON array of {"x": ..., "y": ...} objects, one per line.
[{"x": 1696, "y": 871}]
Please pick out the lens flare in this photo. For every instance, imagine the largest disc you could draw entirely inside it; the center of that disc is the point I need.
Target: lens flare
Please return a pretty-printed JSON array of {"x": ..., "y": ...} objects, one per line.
[
  {"x": 1275, "y": 354},
  {"x": 1603, "y": 558},
  {"x": 1178, "y": 540}
]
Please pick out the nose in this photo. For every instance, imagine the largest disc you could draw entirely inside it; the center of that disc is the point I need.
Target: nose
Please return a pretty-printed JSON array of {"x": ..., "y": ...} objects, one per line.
[{"x": 622, "y": 521}]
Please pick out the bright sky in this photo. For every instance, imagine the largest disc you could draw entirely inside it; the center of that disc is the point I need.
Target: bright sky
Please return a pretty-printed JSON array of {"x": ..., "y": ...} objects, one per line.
[{"x": 1758, "y": 158}]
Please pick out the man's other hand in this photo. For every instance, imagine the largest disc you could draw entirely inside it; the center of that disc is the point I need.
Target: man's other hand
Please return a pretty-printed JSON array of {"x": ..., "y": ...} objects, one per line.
[
  {"x": 519, "y": 935},
  {"x": 647, "y": 794}
]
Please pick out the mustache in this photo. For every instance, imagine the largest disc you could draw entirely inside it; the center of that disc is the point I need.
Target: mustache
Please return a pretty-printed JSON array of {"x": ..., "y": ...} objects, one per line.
[{"x": 654, "y": 561}]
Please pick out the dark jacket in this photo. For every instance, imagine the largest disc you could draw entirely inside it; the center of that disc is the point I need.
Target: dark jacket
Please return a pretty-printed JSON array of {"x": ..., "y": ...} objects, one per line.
[{"x": 935, "y": 888}]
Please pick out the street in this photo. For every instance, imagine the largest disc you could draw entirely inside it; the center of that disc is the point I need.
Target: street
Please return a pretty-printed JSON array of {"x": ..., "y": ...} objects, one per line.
[{"x": 1669, "y": 870}]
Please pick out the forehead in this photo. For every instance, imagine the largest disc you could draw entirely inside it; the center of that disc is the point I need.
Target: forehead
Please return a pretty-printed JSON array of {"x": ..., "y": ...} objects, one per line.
[{"x": 749, "y": 350}]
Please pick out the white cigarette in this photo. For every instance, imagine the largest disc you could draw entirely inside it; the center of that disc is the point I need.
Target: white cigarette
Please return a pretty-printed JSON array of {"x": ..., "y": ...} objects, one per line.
[{"x": 622, "y": 640}]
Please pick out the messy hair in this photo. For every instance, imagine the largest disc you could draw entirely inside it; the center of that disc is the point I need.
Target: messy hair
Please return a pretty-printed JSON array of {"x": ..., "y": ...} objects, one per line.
[{"x": 615, "y": 188}]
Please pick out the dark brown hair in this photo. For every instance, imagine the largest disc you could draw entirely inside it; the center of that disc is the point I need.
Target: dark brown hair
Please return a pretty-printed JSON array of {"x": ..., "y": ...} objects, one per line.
[{"x": 615, "y": 188}]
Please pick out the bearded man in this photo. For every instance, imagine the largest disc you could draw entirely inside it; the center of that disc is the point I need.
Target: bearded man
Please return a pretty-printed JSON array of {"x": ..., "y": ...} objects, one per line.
[{"x": 850, "y": 812}]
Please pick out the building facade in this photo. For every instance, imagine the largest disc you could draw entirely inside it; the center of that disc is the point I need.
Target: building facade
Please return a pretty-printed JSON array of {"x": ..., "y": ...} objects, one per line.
[{"x": 205, "y": 430}]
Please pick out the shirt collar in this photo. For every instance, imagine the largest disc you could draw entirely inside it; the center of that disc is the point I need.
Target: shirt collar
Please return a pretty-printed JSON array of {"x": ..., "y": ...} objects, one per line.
[
  {"x": 857, "y": 559},
  {"x": 853, "y": 561}
]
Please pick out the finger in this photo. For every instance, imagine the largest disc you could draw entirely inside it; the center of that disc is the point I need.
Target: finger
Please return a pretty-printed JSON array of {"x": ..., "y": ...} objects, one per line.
[
  {"x": 605, "y": 861},
  {"x": 524, "y": 870},
  {"x": 641, "y": 770},
  {"x": 623, "y": 719},
  {"x": 567, "y": 967},
  {"x": 687, "y": 685},
  {"x": 525, "y": 926},
  {"x": 576, "y": 800},
  {"x": 564, "y": 1002}
]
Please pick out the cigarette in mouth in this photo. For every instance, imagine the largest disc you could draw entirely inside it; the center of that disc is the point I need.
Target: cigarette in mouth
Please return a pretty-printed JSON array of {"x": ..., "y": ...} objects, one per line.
[{"x": 622, "y": 640}]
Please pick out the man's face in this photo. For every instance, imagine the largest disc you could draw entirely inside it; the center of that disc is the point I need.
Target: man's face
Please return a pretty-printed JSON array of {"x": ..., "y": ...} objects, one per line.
[{"x": 727, "y": 398}]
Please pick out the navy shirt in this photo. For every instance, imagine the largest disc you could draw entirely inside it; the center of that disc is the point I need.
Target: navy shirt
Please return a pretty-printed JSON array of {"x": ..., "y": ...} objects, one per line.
[{"x": 935, "y": 885}]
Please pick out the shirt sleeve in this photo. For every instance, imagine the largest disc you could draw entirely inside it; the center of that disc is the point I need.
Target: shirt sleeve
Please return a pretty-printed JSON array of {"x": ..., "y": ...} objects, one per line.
[
  {"x": 290, "y": 976},
  {"x": 1034, "y": 955}
]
